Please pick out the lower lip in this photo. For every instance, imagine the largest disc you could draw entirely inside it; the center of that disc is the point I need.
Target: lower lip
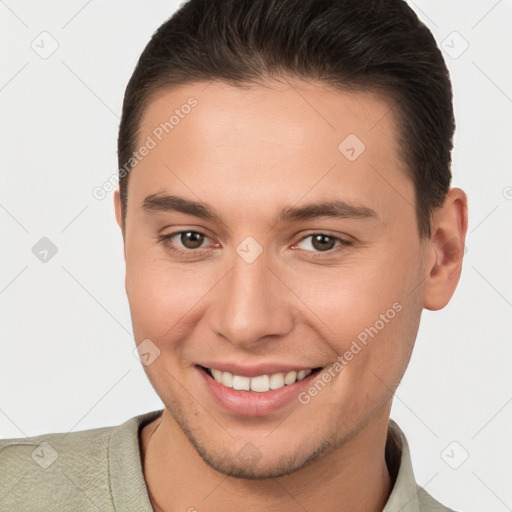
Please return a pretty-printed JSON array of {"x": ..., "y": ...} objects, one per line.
[{"x": 252, "y": 403}]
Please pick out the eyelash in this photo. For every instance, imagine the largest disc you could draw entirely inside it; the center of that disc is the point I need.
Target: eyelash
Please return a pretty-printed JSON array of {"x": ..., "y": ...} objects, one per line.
[{"x": 166, "y": 241}]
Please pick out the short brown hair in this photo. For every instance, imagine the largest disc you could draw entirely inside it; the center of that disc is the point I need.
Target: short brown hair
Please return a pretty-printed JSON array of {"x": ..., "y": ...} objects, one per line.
[{"x": 372, "y": 45}]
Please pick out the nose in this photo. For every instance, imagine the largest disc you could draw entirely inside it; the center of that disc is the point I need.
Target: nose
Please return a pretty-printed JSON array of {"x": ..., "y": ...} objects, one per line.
[{"x": 252, "y": 304}]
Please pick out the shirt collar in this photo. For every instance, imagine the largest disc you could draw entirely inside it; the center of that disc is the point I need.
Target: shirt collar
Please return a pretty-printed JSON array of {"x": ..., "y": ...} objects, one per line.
[{"x": 404, "y": 496}]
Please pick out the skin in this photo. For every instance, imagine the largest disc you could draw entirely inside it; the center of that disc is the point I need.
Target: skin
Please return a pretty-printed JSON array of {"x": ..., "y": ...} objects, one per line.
[{"x": 249, "y": 153}]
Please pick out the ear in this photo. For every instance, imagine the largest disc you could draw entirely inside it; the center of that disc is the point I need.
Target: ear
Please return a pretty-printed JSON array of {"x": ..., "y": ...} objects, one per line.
[
  {"x": 449, "y": 227},
  {"x": 119, "y": 210}
]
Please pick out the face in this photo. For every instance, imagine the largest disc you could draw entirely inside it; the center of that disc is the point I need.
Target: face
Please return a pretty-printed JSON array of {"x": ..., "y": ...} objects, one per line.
[{"x": 270, "y": 230}]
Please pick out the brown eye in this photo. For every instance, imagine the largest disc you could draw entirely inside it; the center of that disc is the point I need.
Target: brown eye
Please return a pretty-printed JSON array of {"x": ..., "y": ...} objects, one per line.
[
  {"x": 185, "y": 243},
  {"x": 191, "y": 239},
  {"x": 322, "y": 242}
]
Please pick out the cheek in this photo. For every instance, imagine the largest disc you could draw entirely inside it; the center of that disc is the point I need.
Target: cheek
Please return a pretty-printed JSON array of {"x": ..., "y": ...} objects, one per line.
[
  {"x": 349, "y": 298},
  {"x": 163, "y": 298},
  {"x": 366, "y": 310}
]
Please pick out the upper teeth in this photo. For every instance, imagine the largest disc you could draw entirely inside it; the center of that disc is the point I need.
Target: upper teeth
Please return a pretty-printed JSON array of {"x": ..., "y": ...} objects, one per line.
[{"x": 261, "y": 383}]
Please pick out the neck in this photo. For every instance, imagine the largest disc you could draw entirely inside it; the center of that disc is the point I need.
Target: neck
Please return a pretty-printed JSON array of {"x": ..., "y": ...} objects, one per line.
[{"x": 354, "y": 477}]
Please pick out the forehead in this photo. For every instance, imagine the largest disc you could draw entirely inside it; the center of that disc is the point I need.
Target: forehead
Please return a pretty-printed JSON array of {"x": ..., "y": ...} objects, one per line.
[
  {"x": 275, "y": 142},
  {"x": 310, "y": 111}
]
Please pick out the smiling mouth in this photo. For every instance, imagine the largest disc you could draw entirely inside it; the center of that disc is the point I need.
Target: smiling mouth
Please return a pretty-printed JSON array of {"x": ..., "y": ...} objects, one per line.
[{"x": 260, "y": 383}]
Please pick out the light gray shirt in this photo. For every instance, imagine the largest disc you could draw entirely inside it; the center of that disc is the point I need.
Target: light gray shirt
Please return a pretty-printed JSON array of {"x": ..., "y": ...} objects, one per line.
[{"x": 101, "y": 470}]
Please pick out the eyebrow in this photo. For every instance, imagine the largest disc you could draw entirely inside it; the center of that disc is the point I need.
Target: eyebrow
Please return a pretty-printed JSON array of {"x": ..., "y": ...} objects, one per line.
[{"x": 331, "y": 209}]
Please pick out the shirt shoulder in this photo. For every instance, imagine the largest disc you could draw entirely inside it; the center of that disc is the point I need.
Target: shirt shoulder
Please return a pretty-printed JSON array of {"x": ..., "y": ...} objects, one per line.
[
  {"x": 56, "y": 471},
  {"x": 429, "y": 504},
  {"x": 70, "y": 471}
]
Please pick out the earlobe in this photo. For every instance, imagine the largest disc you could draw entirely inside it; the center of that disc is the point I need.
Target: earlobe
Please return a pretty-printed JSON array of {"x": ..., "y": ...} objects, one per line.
[{"x": 449, "y": 229}]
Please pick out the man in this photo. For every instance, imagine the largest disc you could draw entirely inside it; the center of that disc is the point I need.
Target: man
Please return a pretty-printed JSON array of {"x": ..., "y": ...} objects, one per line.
[{"x": 286, "y": 211}]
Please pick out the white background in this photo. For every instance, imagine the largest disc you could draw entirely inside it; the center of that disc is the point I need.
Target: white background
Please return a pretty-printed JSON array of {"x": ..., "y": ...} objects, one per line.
[{"x": 66, "y": 342}]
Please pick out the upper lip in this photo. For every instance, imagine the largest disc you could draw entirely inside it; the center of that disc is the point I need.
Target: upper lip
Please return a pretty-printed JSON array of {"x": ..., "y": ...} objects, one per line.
[{"x": 253, "y": 370}]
